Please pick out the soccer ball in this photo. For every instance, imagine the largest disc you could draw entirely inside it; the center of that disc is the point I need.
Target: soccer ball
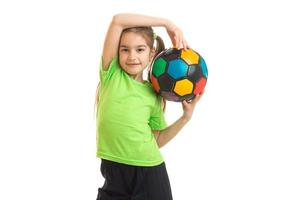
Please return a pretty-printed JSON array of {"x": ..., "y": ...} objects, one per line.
[{"x": 178, "y": 74}]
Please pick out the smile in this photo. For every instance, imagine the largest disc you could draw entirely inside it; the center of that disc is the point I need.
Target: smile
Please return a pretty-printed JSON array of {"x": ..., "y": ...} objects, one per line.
[{"x": 133, "y": 64}]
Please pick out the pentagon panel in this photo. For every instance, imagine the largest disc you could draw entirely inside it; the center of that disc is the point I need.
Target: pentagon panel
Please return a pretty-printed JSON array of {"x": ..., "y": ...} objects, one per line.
[
  {"x": 170, "y": 96},
  {"x": 190, "y": 56},
  {"x": 194, "y": 73},
  {"x": 200, "y": 86},
  {"x": 166, "y": 82},
  {"x": 171, "y": 54}
]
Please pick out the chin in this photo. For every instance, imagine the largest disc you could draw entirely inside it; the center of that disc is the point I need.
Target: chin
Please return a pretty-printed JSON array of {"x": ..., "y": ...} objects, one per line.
[{"x": 133, "y": 72}]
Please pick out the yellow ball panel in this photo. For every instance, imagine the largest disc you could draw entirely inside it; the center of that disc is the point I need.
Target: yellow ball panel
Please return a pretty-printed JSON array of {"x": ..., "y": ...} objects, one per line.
[
  {"x": 190, "y": 56},
  {"x": 183, "y": 87}
]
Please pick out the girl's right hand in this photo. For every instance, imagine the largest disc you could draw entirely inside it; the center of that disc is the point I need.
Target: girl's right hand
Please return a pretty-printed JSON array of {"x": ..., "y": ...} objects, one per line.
[{"x": 176, "y": 36}]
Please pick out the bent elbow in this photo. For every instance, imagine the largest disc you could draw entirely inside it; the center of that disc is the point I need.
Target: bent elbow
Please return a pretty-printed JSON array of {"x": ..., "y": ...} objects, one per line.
[{"x": 116, "y": 19}]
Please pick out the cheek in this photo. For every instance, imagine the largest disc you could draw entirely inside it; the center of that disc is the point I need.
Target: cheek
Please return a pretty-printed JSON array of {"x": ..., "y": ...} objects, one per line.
[
  {"x": 121, "y": 62},
  {"x": 146, "y": 57},
  {"x": 122, "y": 58}
]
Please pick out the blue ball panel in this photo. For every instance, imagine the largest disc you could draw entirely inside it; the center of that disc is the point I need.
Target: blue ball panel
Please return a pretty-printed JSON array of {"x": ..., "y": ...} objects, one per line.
[
  {"x": 203, "y": 67},
  {"x": 177, "y": 68}
]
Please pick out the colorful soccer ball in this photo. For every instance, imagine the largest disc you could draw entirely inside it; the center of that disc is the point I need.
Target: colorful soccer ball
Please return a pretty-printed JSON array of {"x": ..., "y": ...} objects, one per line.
[{"x": 178, "y": 74}]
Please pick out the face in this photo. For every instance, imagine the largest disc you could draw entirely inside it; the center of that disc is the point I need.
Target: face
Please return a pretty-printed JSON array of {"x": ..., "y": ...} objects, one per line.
[{"x": 134, "y": 54}]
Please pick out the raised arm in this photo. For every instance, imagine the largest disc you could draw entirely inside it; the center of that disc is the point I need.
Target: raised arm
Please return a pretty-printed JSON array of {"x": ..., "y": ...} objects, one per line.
[{"x": 122, "y": 21}]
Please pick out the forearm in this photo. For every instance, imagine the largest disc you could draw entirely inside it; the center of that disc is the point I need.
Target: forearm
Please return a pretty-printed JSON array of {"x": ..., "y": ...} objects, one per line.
[
  {"x": 127, "y": 20},
  {"x": 171, "y": 131}
]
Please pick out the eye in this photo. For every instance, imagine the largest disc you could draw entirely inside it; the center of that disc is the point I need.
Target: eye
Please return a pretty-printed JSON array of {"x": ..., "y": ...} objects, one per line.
[
  {"x": 124, "y": 50},
  {"x": 140, "y": 49}
]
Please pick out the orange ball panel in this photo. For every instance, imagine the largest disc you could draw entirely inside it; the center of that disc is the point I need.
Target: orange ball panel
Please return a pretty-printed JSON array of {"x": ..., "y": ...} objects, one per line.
[
  {"x": 189, "y": 56},
  {"x": 183, "y": 87},
  {"x": 155, "y": 83}
]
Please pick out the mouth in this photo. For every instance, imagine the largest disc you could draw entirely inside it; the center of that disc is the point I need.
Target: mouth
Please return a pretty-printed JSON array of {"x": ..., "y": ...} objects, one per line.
[{"x": 133, "y": 64}]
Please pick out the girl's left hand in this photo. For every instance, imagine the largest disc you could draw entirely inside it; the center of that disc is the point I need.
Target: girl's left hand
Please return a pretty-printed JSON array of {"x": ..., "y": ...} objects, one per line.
[
  {"x": 176, "y": 36},
  {"x": 188, "y": 108}
]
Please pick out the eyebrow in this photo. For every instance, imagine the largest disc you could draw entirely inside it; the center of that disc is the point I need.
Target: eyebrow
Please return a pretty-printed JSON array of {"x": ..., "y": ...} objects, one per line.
[{"x": 138, "y": 46}]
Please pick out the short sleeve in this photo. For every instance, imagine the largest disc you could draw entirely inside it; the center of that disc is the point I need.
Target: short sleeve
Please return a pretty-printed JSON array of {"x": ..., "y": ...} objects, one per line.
[
  {"x": 106, "y": 74},
  {"x": 157, "y": 119}
]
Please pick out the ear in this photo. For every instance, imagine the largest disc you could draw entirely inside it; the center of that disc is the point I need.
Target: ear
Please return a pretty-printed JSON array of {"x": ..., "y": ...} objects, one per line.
[{"x": 152, "y": 53}]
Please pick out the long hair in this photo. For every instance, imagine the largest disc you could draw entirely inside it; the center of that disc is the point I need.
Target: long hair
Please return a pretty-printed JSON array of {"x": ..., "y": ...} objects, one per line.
[{"x": 152, "y": 40}]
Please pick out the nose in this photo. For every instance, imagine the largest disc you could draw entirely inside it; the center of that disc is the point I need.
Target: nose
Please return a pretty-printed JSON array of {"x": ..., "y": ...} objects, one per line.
[{"x": 131, "y": 55}]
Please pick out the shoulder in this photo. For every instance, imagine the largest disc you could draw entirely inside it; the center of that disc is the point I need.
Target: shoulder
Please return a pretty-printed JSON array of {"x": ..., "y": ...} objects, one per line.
[
  {"x": 107, "y": 73},
  {"x": 113, "y": 63}
]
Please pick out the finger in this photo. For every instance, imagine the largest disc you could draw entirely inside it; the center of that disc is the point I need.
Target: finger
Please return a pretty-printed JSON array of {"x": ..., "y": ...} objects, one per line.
[
  {"x": 196, "y": 99},
  {"x": 199, "y": 96},
  {"x": 185, "y": 45},
  {"x": 188, "y": 46},
  {"x": 185, "y": 104},
  {"x": 176, "y": 42},
  {"x": 179, "y": 43}
]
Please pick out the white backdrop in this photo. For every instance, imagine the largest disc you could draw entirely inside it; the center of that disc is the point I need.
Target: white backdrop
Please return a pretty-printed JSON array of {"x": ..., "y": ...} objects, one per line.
[{"x": 243, "y": 140}]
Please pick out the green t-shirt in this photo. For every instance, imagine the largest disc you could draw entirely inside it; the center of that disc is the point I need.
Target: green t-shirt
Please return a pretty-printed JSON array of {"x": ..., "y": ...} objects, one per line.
[{"x": 128, "y": 111}]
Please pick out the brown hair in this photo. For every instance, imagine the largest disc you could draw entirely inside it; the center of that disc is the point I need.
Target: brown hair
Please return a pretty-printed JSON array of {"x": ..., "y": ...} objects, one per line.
[{"x": 148, "y": 34}]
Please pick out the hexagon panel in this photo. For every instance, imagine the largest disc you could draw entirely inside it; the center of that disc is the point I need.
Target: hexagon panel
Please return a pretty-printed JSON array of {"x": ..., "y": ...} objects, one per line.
[
  {"x": 183, "y": 87},
  {"x": 177, "y": 68}
]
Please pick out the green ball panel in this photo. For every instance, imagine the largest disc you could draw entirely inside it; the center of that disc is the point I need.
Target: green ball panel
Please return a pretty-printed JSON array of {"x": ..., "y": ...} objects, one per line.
[{"x": 159, "y": 67}]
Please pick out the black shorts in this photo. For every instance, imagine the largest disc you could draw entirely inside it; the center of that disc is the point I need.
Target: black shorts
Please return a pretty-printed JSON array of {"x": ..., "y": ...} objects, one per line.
[{"x": 126, "y": 182}]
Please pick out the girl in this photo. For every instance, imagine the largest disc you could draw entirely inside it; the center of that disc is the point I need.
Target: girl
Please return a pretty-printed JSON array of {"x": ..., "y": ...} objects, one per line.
[{"x": 130, "y": 121}]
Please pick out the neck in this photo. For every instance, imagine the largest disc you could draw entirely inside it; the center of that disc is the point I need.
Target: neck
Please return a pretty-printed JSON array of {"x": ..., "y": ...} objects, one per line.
[{"x": 138, "y": 77}]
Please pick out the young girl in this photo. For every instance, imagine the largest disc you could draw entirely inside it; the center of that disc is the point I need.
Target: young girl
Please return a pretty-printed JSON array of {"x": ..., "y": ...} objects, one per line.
[{"x": 130, "y": 120}]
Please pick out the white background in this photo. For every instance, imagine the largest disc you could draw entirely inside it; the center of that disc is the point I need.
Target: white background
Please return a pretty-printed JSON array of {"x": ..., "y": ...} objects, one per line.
[{"x": 243, "y": 140}]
